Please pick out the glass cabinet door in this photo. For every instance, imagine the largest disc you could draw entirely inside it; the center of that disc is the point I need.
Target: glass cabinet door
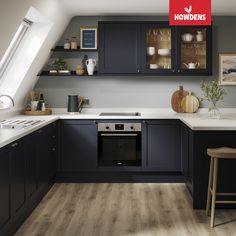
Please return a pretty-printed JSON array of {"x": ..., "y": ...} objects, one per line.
[
  {"x": 158, "y": 49},
  {"x": 193, "y": 49}
]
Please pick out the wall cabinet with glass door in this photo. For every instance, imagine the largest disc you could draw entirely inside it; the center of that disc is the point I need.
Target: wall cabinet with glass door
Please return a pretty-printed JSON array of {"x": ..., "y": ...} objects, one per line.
[
  {"x": 176, "y": 50},
  {"x": 158, "y": 52},
  {"x": 194, "y": 45}
]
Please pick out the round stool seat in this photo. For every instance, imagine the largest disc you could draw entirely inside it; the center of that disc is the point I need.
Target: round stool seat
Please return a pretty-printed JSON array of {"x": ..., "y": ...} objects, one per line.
[{"x": 222, "y": 152}]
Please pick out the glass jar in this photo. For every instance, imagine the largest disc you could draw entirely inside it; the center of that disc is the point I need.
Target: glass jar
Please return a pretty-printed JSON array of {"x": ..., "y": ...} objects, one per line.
[
  {"x": 214, "y": 112},
  {"x": 67, "y": 44},
  {"x": 73, "y": 44}
]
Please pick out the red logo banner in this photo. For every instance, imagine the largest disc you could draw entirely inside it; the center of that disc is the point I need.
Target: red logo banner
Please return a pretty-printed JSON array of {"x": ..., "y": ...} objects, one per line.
[{"x": 190, "y": 12}]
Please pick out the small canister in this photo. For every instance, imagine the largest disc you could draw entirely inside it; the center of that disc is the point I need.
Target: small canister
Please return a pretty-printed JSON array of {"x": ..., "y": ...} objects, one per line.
[
  {"x": 73, "y": 44},
  {"x": 67, "y": 44}
]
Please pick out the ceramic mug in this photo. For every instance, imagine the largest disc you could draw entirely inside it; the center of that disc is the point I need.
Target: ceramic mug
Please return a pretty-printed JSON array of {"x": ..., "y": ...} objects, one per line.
[{"x": 151, "y": 50}]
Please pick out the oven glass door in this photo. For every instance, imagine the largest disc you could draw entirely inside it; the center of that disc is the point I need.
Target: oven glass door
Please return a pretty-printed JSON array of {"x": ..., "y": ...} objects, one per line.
[{"x": 122, "y": 149}]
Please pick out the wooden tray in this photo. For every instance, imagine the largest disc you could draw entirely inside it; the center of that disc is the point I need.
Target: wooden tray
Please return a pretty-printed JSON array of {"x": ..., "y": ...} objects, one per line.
[{"x": 48, "y": 111}]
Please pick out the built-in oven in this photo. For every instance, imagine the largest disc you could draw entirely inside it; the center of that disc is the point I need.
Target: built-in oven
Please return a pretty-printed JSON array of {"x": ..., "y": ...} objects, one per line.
[{"x": 119, "y": 144}]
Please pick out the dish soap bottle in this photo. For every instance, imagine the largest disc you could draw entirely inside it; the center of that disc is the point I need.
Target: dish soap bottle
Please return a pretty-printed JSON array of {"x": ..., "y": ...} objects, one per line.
[{"x": 40, "y": 103}]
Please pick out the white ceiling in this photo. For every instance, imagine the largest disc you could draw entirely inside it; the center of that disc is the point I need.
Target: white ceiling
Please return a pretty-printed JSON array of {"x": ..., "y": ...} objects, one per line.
[{"x": 136, "y": 7}]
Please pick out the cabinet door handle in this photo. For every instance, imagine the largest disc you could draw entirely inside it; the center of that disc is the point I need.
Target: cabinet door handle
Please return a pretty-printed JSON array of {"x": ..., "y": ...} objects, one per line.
[
  {"x": 53, "y": 149},
  {"x": 138, "y": 71},
  {"x": 173, "y": 70},
  {"x": 179, "y": 70},
  {"x": 54, "y": 136},
  {"x": 40, "y": 131},
  {"x": 14, "y": 145}
]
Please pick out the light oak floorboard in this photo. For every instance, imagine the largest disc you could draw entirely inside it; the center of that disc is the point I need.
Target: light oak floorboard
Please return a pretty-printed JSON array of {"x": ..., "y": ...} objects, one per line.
[{"x": 132, "y": 209}]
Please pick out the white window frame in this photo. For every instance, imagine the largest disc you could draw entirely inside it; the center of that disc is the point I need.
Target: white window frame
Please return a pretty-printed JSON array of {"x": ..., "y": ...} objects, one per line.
[{"x": 14, "y": 45}]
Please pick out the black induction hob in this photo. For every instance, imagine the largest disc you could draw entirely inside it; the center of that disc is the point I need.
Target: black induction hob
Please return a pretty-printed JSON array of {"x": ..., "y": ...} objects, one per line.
[{"x": 120, "y": 114}]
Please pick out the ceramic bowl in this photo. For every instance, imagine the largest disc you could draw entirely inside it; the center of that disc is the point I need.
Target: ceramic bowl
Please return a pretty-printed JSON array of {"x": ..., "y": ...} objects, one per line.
[
  {"x": 153, "y": 66},
  {"x": 187, "y": 37},
  {"x": 163, "y": 52}
]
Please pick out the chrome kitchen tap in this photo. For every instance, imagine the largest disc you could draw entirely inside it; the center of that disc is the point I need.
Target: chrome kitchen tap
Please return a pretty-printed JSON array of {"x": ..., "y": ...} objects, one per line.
[{"x": 13, "y": 103}]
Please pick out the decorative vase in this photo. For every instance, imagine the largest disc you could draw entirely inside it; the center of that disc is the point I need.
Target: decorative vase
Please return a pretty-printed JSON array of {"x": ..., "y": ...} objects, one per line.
[
  {"x": 214, "y": 112},
  {"x": 199, "y": 36},
  {"x": 90, "y": 63}
]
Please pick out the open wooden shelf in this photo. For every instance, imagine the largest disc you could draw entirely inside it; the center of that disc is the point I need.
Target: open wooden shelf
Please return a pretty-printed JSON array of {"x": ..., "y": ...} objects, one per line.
[
  {"x": 61, "y": 49},
  {"x": 72, "y": 74}
]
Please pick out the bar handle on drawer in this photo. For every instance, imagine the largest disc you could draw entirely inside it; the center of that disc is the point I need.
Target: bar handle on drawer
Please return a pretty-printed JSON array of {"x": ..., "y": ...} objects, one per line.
[{"x": 14, "y": 145}]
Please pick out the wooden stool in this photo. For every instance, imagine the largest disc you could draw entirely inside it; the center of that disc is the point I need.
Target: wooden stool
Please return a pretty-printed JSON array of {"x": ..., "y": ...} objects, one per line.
[{"x": 215, "y": 154}]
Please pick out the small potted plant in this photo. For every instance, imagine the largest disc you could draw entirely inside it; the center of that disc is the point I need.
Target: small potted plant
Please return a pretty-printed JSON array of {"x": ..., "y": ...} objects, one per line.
[
  {"x": 213, "y": 93},
  {"x": 59, "y": 66}
]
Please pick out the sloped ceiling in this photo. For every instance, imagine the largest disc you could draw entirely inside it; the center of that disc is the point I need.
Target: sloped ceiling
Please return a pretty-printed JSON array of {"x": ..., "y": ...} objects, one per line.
[
  {"x": 137, "y": 7},
  {"x": 11, "y": 15}
]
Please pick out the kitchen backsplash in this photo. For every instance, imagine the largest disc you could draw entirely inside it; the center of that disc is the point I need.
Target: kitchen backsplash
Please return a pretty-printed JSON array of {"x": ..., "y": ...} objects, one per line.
[{"x": 137, "y": 91}]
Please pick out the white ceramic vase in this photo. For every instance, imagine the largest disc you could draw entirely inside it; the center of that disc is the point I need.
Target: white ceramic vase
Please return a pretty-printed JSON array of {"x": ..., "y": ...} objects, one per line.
[{"x": 91, "y": 64}]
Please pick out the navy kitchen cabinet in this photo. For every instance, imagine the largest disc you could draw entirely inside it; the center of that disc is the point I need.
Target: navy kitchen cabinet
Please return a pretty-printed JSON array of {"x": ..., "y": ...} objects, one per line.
[
  {"x": 47, "y": 154},
  {"x": 158, "y": 36},
  {"x": 17, "y": 175},
  {"x": 194, "y": 51},
  {"x": 27, "y": 169},
  {"x": 78, "y": 145},
  {"x": 119, "y": 48},
  {"x": 163, "y": 146},
  {"x": 43, "y": 156},
  {"x": 124, "y": 49},
  {"x": 31, "y": 174},
  {"x": 53, "y": 150},
  {"x": 5, "y": 178}
]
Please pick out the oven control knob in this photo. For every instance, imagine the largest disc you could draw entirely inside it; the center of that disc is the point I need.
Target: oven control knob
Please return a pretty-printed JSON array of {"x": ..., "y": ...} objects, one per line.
[
  {"x": 132, "y": 127},
  {"x": 107, "y": 127}
]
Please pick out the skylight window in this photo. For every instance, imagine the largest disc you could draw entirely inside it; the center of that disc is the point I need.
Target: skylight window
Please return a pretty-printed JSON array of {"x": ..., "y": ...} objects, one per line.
[{"x": 14, "y": 45}]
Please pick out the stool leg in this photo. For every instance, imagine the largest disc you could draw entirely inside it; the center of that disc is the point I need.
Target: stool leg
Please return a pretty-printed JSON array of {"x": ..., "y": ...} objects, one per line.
[
  {"x": 213, "y": 203},
  {"x": 209, "y": 186}
]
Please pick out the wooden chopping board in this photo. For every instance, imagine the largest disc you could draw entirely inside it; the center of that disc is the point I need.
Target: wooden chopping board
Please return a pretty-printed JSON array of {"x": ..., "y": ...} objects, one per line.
[
  {"x": 176, "y": 99},
  {"x": 190, "y": 103}
]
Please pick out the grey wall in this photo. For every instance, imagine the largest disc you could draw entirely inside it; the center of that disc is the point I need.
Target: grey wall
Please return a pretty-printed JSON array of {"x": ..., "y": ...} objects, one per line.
[{"x": 136, "y": 91}]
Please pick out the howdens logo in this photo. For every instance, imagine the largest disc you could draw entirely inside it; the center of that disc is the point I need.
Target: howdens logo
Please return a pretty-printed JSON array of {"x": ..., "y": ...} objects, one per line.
[
  {"x": 190, "y": 12},
  {"x": 190, "y": 17}
]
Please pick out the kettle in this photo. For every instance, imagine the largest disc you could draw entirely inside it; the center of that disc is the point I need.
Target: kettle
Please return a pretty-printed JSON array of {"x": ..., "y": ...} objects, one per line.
[
  {"x": 192, "y": 65},
  {"x": 75, "y": 103}
]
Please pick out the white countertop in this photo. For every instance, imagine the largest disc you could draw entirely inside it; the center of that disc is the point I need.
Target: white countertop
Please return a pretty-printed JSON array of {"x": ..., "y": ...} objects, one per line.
[{"x": 197, "y": 121}]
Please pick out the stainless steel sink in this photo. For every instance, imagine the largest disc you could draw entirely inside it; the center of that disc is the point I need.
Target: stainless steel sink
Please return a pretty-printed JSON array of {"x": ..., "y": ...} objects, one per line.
[{"x": 18, "y": 123}]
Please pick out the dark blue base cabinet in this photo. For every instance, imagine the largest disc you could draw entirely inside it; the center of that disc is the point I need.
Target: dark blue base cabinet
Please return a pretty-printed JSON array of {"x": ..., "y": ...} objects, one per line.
[
  {"x": 27, "y": 169},
  {"x": 160, "y": 147},
  {"x": 196, "y": 163}
]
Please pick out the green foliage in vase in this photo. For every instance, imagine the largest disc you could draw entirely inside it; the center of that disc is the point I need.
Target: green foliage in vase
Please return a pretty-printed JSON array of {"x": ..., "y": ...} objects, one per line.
[
  {"x": 212, "y": 92},
  {"x": 59, "y": 64}
]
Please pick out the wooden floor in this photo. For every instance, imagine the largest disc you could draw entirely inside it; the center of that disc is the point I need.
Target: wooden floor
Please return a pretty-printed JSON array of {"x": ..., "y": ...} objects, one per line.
[{"x": 123, "y": 210}]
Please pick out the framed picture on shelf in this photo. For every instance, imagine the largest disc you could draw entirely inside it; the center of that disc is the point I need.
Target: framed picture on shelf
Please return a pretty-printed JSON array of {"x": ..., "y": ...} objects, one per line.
[
  {"x": 88, "y": 38},
  {"x": 227, "y": 69}
]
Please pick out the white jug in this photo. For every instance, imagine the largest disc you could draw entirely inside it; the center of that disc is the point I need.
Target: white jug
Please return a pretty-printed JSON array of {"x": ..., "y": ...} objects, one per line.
[{"x": 90, "y": 63}]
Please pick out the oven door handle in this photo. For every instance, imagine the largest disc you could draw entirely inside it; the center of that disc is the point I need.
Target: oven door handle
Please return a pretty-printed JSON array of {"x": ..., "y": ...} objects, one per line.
[{"x": 121, "y": 135}]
